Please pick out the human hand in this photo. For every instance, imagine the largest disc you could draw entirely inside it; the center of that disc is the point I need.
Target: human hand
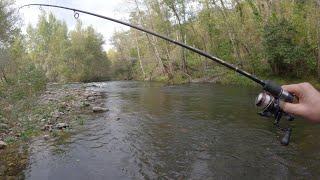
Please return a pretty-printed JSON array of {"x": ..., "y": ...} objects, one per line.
[{"x": 308, "y": 106}]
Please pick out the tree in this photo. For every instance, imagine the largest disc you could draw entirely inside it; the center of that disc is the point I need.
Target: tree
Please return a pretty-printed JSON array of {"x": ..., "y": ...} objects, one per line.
[
  {"x": 285, "y": 55},
  {"x": 8, "y": 20},
  {"x": 67, "y": 56},
  {"x": 87, "y": 59}
]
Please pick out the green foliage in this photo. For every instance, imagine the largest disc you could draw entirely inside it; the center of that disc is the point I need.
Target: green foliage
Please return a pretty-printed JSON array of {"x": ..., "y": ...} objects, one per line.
[
  {"x": 264, "y": 37},
  {"x": 67, "y": 56},
  {"x": 286, "y": 54},
  {"x": 89, "y": 61},
  {"x": 27, "y": 82},
  {"x": 8, "y": 18},
  {"x": 10, "y": 139}
]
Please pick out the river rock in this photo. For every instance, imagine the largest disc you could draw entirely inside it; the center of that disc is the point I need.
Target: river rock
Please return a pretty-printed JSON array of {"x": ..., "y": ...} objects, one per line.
[
  {"x": 46, "y": 137},
  {"x": 62, "y": 126},
  {"x": 47, "y": 128},
  {"x": 99, "y": 109},
  {"x": 85, "y": 104},
  {"x": 2, "y": 169},
  {"x": 64, "y": 105},
  {"x": 56, "y": 114},
  {"x": 52, "y": 99},
  {"x": 4, "y": 126},
  {"x": 3, "y": 145},
  {"x": 97, "y": 94},
  {"x": 91, "y": 98}
]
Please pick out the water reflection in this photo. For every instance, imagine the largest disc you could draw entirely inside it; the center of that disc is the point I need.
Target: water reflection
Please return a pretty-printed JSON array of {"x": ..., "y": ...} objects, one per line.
[{"x": 177, "y": 132}]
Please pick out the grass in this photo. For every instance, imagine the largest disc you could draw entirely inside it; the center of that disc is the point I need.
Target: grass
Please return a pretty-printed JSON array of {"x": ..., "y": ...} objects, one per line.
[{"x": 81, "y": 120}]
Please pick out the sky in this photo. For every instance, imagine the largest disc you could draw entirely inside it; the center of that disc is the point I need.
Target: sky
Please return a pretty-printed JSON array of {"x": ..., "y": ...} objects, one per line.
[{"x": 118, "y": 9}]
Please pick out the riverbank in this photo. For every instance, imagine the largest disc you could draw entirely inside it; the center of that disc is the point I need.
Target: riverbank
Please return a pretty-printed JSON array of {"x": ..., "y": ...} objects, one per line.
[
  {"x": 53, "y": 113},
  {"x": 232, "y": 78}
]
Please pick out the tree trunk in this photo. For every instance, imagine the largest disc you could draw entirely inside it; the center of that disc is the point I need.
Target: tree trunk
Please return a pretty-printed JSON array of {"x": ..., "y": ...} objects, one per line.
[
  {"x": 231, "y": 34},
  {"x": 156, "y": 53},
  {"x": 139, "y": 57},
  {"x": 183, "y": 38},
  {"x": 153, "y": 46}
]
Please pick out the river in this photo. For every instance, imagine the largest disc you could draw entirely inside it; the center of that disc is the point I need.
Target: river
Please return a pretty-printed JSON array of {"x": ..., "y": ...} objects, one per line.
[{"x": 196, "y": 131}]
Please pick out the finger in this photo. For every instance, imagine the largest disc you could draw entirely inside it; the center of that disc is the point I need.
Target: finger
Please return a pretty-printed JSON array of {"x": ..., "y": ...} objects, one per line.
[
  {"x": 293, "y": 88},
  {"x": 296, "y": 109}
]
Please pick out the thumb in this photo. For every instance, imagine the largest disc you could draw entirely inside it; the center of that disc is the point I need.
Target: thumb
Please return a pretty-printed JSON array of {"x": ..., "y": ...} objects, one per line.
[{"x": 296, "y": 109}]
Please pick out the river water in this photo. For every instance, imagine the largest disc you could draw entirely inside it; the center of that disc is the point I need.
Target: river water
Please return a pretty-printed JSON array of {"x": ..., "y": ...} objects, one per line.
[{"x": 197, "y": 131}]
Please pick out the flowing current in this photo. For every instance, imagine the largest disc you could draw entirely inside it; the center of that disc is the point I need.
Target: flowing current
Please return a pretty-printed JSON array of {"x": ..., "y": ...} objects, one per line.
[{"x": 197, "y": 131}]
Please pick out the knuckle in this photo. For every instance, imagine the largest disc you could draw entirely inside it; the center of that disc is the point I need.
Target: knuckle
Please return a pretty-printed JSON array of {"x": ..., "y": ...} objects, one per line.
[{"x": 305, "y": 85}]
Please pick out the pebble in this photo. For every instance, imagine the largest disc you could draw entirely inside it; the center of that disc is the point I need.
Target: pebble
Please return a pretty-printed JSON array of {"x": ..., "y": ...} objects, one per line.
[
  {"x": 62, "y": 125},
  {"x": 97, "y": 94},
  {"x": 91, "y": 98},
  {"x": 3, "y": 126},
  {"x": 47, "y": 128},
  {"x": 85, "y": 104},
  {"x": 3, "y": 145},
  {"x": 99, "y": 109},
  {"x": 2, "y": 169},
  {"x": 46, "y": 137},
  {"x": 56, "y": 114}
]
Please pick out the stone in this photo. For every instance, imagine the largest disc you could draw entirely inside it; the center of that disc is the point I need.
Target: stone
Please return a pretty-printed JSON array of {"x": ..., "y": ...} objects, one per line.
[
  {"x": 52, "y": 99},
  {"x": 47, "y": 128},
  {"x": 99, "y": 109},
  {"x": 46, "y": 137},
  {"x": 2, "y": 170},
  {"x": 4, "y": 126},
  {"x": 91, "y": 98},
  {"x": 56, "y": 114},
  {"x": 97, "y": 94},
  {"x": 62, "y": 126},
  {"x": 3, "y": 145},
  {"x": 85, "y": 104}
]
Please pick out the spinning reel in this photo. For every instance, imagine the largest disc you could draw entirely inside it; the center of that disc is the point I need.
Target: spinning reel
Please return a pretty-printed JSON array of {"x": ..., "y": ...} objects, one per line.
[{"x": 269, "y": 102}]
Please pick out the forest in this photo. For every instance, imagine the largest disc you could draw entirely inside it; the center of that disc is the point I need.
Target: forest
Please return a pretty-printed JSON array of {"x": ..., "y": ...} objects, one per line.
[{"x": 272, "y": 39}]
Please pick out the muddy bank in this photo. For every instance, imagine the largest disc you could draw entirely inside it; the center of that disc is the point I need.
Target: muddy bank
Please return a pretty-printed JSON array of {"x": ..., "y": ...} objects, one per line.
[{"x": 58, "y": 109}]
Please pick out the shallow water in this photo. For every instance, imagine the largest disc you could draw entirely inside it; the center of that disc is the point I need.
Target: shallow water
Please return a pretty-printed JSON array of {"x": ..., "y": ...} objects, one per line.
[{"x": 197, "y": 131}]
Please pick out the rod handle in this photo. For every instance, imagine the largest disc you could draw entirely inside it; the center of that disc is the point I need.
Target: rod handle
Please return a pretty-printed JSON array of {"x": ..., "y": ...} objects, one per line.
[{"x": 276, "y": 91}]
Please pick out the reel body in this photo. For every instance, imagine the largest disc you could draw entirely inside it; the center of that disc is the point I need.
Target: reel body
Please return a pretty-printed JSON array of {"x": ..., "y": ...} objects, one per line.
[{"x": 270, "y": 107}]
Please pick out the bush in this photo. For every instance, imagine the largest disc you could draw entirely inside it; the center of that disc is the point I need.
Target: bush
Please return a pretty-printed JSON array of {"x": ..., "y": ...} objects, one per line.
[
  {"x": 27, "y": 82},
  {"x": 285, "y": 52}
]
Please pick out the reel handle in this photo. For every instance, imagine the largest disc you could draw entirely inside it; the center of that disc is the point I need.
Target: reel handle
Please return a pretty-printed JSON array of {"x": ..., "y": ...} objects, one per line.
[
  {"x": 276, "y": 91},
  {"x": 286, "y": 138}
]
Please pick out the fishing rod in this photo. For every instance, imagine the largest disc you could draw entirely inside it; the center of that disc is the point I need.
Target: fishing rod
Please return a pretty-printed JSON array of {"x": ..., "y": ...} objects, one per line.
[{"x": 268, "y": 101}]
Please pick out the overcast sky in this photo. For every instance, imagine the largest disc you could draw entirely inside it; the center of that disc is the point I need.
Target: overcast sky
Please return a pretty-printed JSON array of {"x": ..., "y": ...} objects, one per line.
[{"x": 113, "y": 8}]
